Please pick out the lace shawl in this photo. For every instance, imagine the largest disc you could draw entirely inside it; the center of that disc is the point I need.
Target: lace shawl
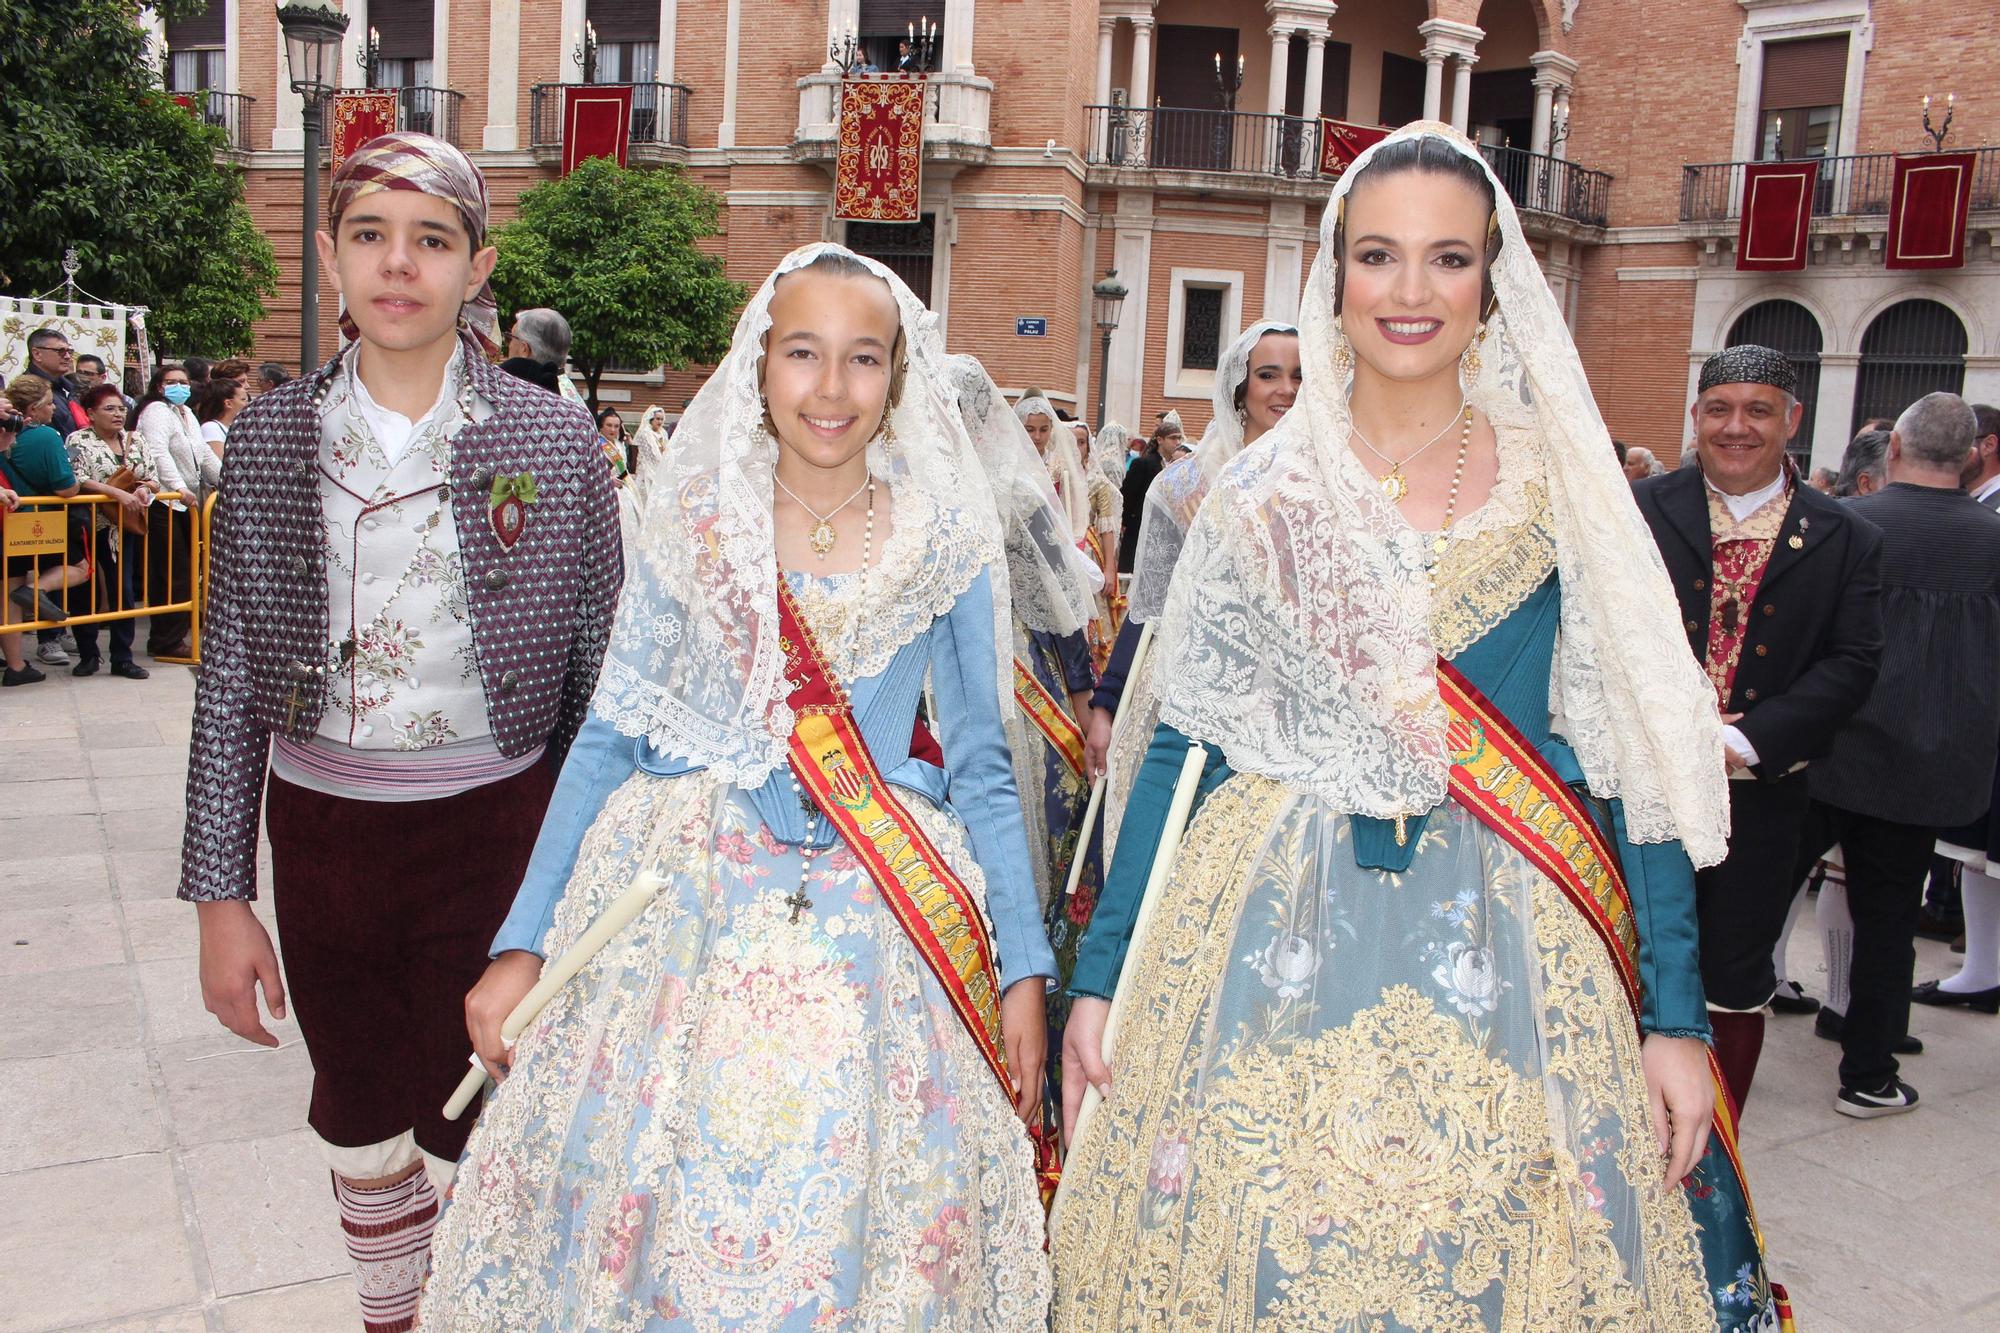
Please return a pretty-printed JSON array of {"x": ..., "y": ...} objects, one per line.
[
  {"x": 1297, "y": 634},
  {"x": 1175, "y": 495},
  {"x": 694, "y": 664}
]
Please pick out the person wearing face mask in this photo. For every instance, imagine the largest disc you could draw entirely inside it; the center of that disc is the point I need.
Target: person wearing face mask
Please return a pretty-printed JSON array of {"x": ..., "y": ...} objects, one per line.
[
  {"x": 1257, "y": 381},
  {"x": 187, "y": 468},
  {"x": 1780, "y": 594},
  {"x": 1414, "y": 1036}
]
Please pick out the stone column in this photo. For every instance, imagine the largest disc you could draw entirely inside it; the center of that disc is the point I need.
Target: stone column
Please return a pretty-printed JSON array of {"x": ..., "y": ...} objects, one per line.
[
  {"x": 1142, "y": 62},
  {"x": 956, "y": 57},
  {"x": 1839, "y": 376},
  {"x": 1107, "y": 28},
  {"x": 1461, "y": 91},
  {"x": 1314, "y": 92},
  {"x": 503, "y": 78},
  {"x": 1281, "y": 69},
  {"x": 1553, "y": 73},
  {"x": 1433, "y": 83}
]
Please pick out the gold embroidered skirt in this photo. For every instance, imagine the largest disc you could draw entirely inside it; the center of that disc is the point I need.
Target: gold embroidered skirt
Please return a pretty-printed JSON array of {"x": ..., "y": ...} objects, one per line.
[{"x": 1351, "y": 1100}]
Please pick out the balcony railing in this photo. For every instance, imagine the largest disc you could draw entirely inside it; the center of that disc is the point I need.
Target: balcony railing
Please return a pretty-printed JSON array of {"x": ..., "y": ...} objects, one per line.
[
  {"x": 429, "y": 111},
  {"x": 1540, "y": 183},
  {"x": 1288, "y": 148},
  {"x": 231, "y": 111},
  {"x": 659, "y": 115},
  {"x": 1854, "y": 186}
]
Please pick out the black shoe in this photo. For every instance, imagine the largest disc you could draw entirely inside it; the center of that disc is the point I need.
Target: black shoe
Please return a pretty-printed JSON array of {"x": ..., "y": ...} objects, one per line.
[
  {"x": 130, "y": 670},
  {"x": 1828, "y": 1027},
  {"x": 87, "y": 667},
  {"x": 40, "y": 605},
  {"x": 1936, "y": 927},
  {"x": 1985, "y": 1001},
  {"x": 27, "y": 675},
  {"x": 1792, "y": 999},
  {"x": 1892, "y": 1099}
]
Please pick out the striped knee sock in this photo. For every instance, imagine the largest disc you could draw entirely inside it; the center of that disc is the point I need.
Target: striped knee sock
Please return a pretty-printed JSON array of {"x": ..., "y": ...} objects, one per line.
[{"x": 389, "y": 1241}]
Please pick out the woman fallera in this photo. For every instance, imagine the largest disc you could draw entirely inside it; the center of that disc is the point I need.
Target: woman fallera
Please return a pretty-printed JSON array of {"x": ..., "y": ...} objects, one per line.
[{"x": 1387, "y": 1060}]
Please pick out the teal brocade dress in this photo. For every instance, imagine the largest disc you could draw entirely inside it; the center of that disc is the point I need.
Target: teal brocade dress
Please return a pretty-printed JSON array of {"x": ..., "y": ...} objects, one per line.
[{"x": 1377, "y": 1087}]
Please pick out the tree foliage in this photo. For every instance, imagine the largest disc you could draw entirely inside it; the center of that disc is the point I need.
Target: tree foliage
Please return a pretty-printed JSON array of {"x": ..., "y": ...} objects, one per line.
[
  {"x": 614, "y": 249},
  {"x": 96, "y": 156}
]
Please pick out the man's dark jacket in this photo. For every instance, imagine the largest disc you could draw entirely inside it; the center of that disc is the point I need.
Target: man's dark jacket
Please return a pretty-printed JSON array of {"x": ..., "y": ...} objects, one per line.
[{"x": 1813, "y": 641}]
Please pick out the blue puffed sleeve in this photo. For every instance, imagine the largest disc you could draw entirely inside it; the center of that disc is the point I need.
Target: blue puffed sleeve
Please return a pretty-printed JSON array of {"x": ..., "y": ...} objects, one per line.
[
  {"x": 965, "y": 665},
  {"x": 1100, "y": 955},
  {"x": 1660, "y": 879},
  {"x": 599, "y": 761}
]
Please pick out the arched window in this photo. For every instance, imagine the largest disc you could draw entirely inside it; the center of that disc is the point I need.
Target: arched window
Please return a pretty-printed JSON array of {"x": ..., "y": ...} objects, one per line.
[
  {"x": 1911, "y": 349},
  {"x": 1788, "y": 328}
]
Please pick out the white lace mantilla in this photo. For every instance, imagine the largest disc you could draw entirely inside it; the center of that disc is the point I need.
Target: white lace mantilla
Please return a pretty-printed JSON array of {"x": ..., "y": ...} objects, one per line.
[
  {"x": 1297, "y": 634},
  {"x": 694, "y": 663}
]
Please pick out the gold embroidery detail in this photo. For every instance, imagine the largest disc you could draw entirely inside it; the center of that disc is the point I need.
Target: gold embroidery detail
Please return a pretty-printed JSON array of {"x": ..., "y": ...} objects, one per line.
[
  {"x": 1483, "y": 579},
  {"x": 1401, "y": 1170}
]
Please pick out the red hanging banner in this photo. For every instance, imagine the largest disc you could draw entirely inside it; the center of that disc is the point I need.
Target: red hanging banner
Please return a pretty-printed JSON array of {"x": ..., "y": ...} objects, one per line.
[
  {"x": 879, "y": 174},
  {"x": 1927, "y": 210},
  {"x": 1777, "y": 215},
  {"x": 355, "y": 119},
  {"x": 597, "y": 122},
  {"x": 1340, "y": 143}
]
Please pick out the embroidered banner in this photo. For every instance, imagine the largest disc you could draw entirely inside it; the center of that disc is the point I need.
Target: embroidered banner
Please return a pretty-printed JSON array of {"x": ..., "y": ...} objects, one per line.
[
  {"x": 1927, "y": 210},
  {"x": 92, "y": 329},
  {"x": 1777, "y": 215},
  {"x": 356, "y": 118},
  {"x": 596, "y": 122},
  {"x": 1506, "y": 783},
  {"x": 1340, "y": 143},
  {"x": 878, "y": 175},
  {"x": 1048, "y": 716}
]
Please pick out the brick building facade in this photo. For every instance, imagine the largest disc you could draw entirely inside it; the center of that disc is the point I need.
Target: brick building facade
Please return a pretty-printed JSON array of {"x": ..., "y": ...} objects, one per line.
[{"x": 1176, "y": 141}]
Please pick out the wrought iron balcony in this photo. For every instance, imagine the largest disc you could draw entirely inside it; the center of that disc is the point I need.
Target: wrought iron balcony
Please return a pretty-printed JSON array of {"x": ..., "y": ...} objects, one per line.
[
  {"x": 429, "y": 111},
  {"x": 230, "y": 111},
  {"x": 1254, "y": 146},
  {"x": 1855, "y": 186},
  {"x": 659, "y": 117},
  {"x": 1539, "y": 183}
]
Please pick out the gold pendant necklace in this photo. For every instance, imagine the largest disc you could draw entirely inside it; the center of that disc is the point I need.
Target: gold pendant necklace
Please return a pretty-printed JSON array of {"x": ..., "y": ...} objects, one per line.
[
  {"x": 1395, "y": 485},
  {"x": 821, "y": 537}
]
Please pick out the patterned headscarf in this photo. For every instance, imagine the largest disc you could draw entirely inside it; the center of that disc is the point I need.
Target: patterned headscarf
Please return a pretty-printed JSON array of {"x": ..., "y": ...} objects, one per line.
[
  {"x": 428, "y": 165},
  {"x": 1747, "y": 363}
]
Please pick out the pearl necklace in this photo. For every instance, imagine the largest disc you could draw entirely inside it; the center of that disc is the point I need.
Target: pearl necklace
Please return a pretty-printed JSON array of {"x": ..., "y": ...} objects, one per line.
[
  {"x": 1443, "y": 539},
  {"x": 797, "y": 899},
  {"x": 822, "y": 537},
  {"x": 1396, "y": 485}
]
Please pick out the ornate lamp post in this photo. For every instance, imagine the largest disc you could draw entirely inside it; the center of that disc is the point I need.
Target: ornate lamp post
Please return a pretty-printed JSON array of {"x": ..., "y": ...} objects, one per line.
[
  {"x": 368, "y": 57},
  {"x": 312, "y": 53},
  {"x": 584, "y": 53},
  {"x": 1107, "y": 299}
]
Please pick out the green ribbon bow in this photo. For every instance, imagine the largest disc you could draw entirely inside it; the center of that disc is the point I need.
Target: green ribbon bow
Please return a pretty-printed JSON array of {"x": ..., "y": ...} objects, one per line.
[{"x": 506, "y": 487}]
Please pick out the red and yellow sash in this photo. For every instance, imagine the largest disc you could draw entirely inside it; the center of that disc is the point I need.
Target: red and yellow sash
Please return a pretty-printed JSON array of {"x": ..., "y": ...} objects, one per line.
[
  {"x": 929, "y": 901},
  {"x": 1509, "y": 786},
  {"x": 1056, "y": 726}
]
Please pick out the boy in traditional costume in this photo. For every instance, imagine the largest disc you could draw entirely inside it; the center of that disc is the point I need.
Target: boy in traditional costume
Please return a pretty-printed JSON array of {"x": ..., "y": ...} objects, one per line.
[{"x": 416, "y": 560}]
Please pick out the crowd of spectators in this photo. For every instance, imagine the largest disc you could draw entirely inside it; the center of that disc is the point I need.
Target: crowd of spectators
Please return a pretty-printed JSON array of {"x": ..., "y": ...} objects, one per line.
[{"x": 152, "y": 455}]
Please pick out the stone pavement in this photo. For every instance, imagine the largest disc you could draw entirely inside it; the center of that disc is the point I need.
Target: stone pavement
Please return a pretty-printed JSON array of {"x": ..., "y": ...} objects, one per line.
[{"x": 156, "y": 1175}]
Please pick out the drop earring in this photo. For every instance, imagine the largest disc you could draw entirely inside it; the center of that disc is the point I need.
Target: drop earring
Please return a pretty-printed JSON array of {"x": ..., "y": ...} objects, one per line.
[
  {"x": 1468, "y": 364},
  {"x": 1343, "y": 355}
]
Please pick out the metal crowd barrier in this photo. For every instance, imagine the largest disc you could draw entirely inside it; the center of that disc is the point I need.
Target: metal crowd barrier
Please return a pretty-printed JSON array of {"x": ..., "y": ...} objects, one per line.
[{"x": 39, "y": 529}]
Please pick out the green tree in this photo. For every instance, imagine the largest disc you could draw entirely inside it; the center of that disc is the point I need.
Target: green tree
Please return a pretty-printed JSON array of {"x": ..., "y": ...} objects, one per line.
[
  {"x": 614, "y": 249},
  {"x": 96, "y": 156}
]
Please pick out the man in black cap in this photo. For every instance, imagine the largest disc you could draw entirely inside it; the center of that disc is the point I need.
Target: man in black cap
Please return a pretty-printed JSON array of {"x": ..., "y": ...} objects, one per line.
[{"x": 1779, "y": 592}]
